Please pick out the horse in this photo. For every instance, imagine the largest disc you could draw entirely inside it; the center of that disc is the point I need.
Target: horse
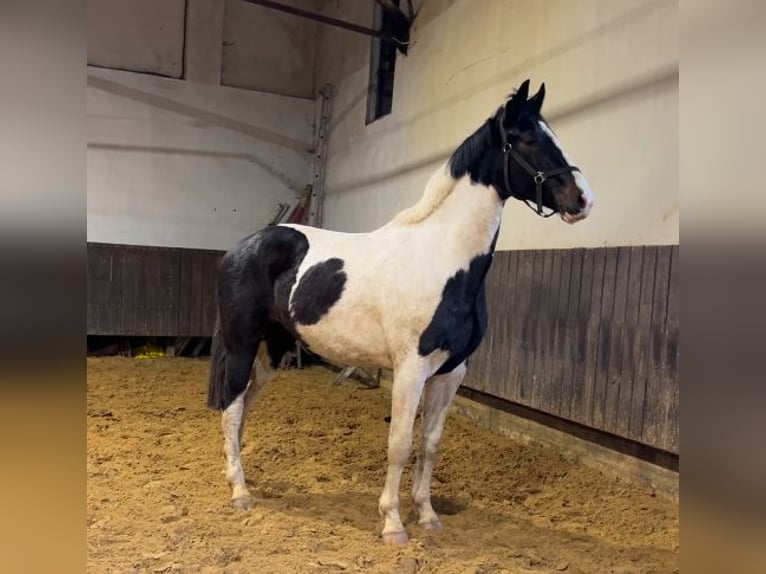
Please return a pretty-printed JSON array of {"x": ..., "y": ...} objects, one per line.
[{"x": 408, "y": 296}]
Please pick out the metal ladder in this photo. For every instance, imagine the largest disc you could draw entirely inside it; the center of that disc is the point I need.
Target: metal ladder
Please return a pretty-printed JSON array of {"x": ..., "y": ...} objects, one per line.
[
  {"x": 316, "y": 204},
  {"x": 322, "y": 116}
]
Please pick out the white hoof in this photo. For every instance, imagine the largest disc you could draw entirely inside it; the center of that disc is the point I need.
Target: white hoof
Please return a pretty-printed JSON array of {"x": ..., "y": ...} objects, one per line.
[
  {"x": 244, "y": 502},
  {"x": 394, "y": 537},
  {"x": 434, "y": 524}
]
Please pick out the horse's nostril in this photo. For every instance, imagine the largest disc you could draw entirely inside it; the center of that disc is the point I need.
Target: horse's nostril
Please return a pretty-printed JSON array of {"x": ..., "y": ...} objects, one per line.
[{"x": 578, "y": 206}]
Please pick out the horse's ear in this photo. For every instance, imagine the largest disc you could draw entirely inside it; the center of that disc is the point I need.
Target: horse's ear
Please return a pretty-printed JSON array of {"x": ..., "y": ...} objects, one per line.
[
  {"x": 522, "y": 93},
  {"x": 536, "y": 102},
  {"x": 515, "y": 105}
]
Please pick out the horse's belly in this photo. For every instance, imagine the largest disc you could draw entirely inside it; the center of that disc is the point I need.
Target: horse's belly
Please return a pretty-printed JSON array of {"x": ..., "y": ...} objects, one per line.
[{"x": 359, "y": 343}]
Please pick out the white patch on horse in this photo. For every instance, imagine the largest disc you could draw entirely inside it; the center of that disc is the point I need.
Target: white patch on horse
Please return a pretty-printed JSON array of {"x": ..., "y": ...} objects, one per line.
[{"x": 580, "y": 181}]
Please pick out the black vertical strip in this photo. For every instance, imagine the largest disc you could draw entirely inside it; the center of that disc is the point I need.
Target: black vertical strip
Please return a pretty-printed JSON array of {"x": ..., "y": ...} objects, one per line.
[
  {"x": 566, "y": 355},
  {"x": 579, "y": 332},
  {"x": 559, "y": 349},
  {"x": 512, "y": 317},
  {"x": 543, "y": 328},
  {"x": 629, "y": 336},
  {"x": 616, "y": 347},
  {"x": 657, "y": 395},
  {"x": 671, "y": 421},
  {"x": 521, "y": 308},
  {"x": 605, "y": 337},
  {"x": 179, "y": 279},
  {"x": 649, "y": 350},
  {"x": 594, "y": 333},
  {"x": 529, "y": 330},
  {"x": 643, "y": 337},
  {"x": 551, "y": 316},
  {"x": 183, "y": 43}
]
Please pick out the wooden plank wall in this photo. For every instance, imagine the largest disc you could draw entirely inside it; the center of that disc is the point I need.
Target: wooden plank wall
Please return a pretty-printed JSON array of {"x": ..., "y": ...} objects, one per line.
[
  {"x": 151, "y": 291},
  {"x": 588, "y": 335}
]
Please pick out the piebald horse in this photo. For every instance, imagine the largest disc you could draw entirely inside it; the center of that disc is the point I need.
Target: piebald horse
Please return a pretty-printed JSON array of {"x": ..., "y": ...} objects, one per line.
[{"x": 408, "y": 296}]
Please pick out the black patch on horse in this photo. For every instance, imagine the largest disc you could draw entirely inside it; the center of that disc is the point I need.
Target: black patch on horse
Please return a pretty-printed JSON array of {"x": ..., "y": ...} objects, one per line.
[
  {"x": 474, "y": 157},
  {"x": 254, "y": 283},
  {"x": 319, "y": 289},
  {"x": 460, "y": 321},
  {"x": 278, "y": 342}
]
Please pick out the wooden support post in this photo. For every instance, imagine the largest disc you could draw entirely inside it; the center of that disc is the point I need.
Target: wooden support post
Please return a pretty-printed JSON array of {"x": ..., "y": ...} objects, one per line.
[{"x": 366, "y": 379}]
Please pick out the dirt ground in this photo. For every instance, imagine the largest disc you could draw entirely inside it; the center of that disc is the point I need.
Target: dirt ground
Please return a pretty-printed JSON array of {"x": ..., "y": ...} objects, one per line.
[{"x": 315, "y": 456}]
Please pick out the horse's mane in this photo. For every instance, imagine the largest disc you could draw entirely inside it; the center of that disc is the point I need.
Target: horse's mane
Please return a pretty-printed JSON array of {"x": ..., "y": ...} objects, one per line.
[
  {"x": 464, "y": 161},
  {"x": 467, "y": 159},
  {"x": 439, "y": 186}
]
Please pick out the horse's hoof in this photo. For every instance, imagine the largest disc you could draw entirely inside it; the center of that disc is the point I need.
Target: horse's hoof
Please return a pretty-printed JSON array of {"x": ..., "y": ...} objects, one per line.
[
  {"x": 394, "y": 537},
  {"x": 242, "y": 502},
  {"x": 435, "y": 524}
]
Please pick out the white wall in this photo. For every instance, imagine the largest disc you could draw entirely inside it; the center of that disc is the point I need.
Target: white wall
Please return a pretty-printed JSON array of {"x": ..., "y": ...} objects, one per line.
[
  {"x": 229, "y": 42},
  {"x": 611, "y": 69},
  {"x": 179, "y": 164},
  {"x": 268, "y": 50},
  {"x": 203, "y": 41},
  {"x": 138, "y": 35}
]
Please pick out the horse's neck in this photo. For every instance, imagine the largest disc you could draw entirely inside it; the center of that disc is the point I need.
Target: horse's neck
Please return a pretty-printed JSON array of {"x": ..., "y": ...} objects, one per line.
[
  {"x": 465, "y": 216},
  {"x": 469, "y": 218},
  {"x": 470, "y": 213}
]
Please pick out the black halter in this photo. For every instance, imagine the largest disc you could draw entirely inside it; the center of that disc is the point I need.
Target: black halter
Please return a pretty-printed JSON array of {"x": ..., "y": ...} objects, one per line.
[{"x": 539, "y": 176}]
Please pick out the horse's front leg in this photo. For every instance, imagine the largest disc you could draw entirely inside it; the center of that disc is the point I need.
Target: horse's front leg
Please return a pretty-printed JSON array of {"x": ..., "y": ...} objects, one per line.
[
  {"x": 439, "y": 392},
  {"x": 405, "y": 396}
]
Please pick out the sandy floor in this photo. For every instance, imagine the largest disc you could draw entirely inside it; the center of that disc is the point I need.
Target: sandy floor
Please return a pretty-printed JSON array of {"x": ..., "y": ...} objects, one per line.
[{"x": 315, "y": 453}]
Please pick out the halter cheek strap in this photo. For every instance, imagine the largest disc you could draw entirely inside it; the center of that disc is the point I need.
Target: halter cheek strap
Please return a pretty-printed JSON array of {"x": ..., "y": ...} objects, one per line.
[{"x": 538, "y": 176}]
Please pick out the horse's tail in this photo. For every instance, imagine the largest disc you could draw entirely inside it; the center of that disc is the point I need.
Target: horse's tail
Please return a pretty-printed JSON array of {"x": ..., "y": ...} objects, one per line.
[{"x": 216, "y": 388}]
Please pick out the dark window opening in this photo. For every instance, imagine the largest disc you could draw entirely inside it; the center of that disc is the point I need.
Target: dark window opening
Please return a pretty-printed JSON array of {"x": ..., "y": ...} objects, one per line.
[{"x": 382, "y": 66}]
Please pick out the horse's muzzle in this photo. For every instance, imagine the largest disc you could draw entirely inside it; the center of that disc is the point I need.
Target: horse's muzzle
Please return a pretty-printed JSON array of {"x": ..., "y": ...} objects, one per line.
[{"x": 580, "y": 212}]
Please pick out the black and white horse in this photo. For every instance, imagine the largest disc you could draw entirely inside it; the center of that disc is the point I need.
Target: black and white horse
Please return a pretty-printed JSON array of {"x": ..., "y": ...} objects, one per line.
[{"x": 408, "y": 296}]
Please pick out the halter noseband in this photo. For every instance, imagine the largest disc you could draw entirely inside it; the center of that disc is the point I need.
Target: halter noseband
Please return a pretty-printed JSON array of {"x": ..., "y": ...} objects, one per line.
[{"x": 538, "y": 176}]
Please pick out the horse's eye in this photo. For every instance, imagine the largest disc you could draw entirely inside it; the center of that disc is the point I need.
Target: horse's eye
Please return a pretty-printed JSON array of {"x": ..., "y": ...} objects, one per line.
[{"x": 529, "y": 137}]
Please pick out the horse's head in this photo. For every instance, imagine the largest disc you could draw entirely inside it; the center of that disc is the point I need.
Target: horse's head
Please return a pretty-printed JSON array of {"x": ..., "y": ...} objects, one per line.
[{"x": 534, "y": 168}]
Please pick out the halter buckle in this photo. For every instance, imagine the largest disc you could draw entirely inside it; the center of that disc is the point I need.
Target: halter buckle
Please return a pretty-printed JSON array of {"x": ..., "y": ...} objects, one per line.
[
  {"x": 539, "y": 177},
  {"x": 506, "y": 147}
]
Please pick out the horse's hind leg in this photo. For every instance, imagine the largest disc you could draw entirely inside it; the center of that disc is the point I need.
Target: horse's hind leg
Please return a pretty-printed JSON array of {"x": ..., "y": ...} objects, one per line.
[
  {"x": 238, "y": 367},
  {"x": 438, "y": 394},
  {"x": 233, "y": 422}
]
